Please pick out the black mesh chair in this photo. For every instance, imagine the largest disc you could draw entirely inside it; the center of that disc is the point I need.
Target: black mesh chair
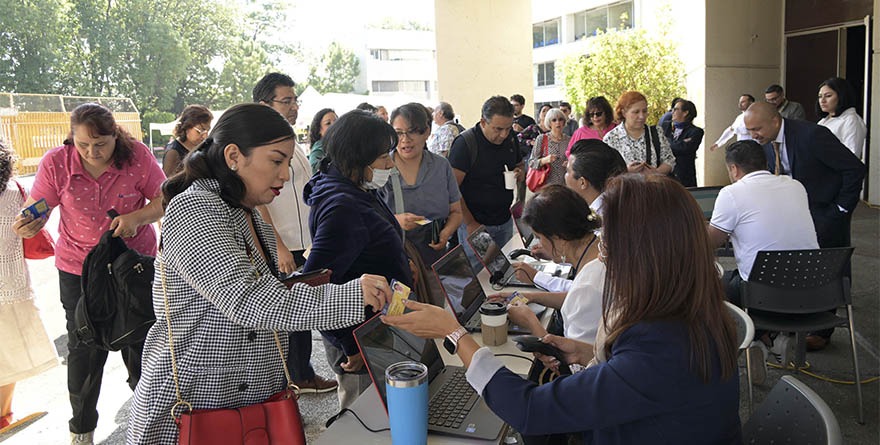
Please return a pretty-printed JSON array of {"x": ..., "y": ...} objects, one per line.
[
  {"x": 792, "y": 413},
  {"x": 799, "y": 291}
]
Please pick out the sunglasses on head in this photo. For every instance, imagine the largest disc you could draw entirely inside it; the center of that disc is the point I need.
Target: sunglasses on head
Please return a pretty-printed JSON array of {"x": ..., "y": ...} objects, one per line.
[{"x": 596, "y": 113}]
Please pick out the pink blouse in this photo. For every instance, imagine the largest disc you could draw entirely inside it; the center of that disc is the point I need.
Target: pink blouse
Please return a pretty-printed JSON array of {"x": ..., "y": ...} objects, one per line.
[
  {"x": 84, "y": 200},
  {"x": 587, "y": 133}
]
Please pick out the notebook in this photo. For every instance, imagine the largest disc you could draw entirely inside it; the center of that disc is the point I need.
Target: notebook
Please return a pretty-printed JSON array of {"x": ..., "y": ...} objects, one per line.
[
  {"x": 465, "y": 295},
  {"x": 454, "y": 408}
]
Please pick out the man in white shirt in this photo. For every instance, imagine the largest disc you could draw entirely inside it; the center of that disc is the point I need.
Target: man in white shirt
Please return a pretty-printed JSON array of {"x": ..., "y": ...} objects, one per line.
[
  {"x": 759, "y": 211},
  {"x": 738, "y": 127},
  {"x": 289, "y": 216}
]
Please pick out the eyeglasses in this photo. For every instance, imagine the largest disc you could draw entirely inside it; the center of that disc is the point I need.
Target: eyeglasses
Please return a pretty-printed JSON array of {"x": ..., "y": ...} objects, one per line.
[
  {"x": 409, "y": 133},
  {"x": 596, "y": 113},
  {"x": 558, "y": 119},
  {"x": 288, "y": 102},
  {"x": 200, "y": 130}
]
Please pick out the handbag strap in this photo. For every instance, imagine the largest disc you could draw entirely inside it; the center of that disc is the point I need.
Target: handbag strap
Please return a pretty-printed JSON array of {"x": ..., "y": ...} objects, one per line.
[
  {"x": 545, "y": 141},
  {"x": 21, "y": 190},
  {"x": 183, "y": 403},
  {"x": 398, "y": 198}
]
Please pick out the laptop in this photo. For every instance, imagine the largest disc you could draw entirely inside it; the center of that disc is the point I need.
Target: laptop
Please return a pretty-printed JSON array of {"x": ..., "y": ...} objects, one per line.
[
  {"x": 454, "y": 408},
  {"x": 525, "y": 232},
  {"x": 705, "y": 197},
  {"x": 499, "y": 267},
  {"x": 465, "y": 295}
]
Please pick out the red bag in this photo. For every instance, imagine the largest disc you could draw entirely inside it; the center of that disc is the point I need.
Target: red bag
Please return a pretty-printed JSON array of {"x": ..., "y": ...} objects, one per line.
[
  {"x": 40, "y": 245},
  {"x": 537, "y": 177},
  {"x": 276, "y": 421}
]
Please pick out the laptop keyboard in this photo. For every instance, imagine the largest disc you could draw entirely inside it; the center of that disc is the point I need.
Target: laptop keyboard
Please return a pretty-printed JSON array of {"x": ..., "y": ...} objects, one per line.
[{"x": 451, "y": 405}]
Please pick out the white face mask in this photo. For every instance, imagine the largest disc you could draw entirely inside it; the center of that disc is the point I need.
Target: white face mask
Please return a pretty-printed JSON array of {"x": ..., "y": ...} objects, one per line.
[{"x": 380, "y": 178}]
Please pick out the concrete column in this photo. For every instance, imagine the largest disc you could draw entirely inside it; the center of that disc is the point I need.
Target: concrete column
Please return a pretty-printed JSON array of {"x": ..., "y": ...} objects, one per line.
[
  {"x": 743, "y": 55},
  {"x": 873, "y": 191},
  {"x": 484, "y": 49}
]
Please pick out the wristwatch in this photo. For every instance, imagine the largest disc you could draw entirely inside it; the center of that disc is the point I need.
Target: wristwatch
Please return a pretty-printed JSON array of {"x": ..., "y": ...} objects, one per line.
[{"x": 450, "y": 343}]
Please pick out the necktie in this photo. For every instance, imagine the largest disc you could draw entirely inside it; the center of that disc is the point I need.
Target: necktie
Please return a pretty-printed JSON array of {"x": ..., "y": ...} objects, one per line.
[{"x": 778, "y": 169}]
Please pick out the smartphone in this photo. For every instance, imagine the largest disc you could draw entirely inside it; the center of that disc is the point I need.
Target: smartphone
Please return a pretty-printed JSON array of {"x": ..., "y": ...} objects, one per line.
[
  {"x": 36, "y": 210},
  {"x": 436, "y": 227}
]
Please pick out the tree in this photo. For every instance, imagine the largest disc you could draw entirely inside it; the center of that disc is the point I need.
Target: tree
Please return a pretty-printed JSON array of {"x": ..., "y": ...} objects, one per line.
[
  {"x": 337, "y": 72},
  {"x": 625, "y": 60}
]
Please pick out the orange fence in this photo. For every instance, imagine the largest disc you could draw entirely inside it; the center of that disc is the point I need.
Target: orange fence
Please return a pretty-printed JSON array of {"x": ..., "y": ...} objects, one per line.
[{"x": 32, "y": 134}]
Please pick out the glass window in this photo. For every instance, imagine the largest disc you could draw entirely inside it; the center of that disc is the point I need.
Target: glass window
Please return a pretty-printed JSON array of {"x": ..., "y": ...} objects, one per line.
[
  {"x": 580, "y": 25},
  {"x": 588, "y": 23},
  {"x": 596, "y": 20},
  {"x": 546, "y": 74},
  {"x": 546, "y": 33}
]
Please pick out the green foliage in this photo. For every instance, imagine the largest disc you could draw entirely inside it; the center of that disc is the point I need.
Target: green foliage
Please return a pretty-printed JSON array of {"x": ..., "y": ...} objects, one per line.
[
  {"x": 155, "y": 117},
  {"x": 337, "y": 71},
  {"x": 621, "y": 61},
  {"x": 400, "y": 25},
  {"x": 163, "y": 54}
]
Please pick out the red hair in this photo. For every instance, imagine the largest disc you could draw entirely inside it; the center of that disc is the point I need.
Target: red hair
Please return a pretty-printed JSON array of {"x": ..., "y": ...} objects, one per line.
[{"x": 626, "y": 100}]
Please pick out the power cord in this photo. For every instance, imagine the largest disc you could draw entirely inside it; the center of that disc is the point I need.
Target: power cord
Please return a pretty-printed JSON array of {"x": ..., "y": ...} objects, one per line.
[
  {"x": 343, "y": 411},
  {"x": 803, "y": 370},
  {"x": 514, "y": 355}
]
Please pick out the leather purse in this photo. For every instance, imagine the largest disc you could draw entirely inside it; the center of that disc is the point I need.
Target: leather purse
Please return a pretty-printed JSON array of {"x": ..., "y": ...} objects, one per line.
[
  {"x": 314, "y": 278},
  {"x": 537, "y": 177},
  {"x": 40, "y": 245},
  {"x": 275, "y": 421}
]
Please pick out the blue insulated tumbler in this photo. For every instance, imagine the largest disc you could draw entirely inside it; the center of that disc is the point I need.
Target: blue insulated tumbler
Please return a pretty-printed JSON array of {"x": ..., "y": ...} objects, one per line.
[{"x": 406, "y": 388}]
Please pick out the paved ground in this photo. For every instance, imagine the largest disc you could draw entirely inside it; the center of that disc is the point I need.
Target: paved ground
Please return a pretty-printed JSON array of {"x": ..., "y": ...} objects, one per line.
[{"x": 47, "y": 392}]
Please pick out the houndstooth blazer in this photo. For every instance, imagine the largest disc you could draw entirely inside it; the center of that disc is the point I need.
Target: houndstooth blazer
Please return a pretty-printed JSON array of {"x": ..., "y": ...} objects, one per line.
[{"x": 222, "y": 314}]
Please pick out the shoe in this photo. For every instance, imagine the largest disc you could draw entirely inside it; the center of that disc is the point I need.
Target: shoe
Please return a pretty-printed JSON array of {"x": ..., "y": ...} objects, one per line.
[
  {"x": 5, "y": 420},
  {"x": 817, "y": 343},
  {"x": 82, "y": 438},
  {"x": 779, "y": 349},
  {"x": 316, "y": 385},
  {"x": 758, "y": 360}
]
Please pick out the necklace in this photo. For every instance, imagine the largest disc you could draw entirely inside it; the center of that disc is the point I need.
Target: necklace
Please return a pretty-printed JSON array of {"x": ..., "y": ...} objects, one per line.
[{"x": 577, "y": 266}]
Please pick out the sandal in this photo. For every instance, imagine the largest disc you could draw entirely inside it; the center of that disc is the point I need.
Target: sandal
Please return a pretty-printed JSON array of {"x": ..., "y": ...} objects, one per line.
[{"x": 5, "y": 420}]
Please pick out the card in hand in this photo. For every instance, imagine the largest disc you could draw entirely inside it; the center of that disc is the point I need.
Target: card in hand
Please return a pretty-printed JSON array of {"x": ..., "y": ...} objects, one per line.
[{"x": 400, "y": 292}]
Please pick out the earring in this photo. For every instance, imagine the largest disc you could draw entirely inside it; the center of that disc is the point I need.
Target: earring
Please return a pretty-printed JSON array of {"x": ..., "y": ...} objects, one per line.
[{"x": 233, "y": 167}]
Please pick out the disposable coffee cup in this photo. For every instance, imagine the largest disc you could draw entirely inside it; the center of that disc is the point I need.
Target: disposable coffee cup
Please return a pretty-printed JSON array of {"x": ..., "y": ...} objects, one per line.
[
  {"x": 493, "y": 317},
  {"x": 406, "y": 390},
  {"x": 509, "y": 179}
]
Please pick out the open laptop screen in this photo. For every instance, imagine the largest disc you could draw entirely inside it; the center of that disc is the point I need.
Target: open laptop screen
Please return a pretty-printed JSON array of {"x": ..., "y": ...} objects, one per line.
[
  {"x": 489, "y": 252},
  {"x": 705, "y": 197},
  {"x": 383, "y": 346},
  {"x": 462, "y": 288}
]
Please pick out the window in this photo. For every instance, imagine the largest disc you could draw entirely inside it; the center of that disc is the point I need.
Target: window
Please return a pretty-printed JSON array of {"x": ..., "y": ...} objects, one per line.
[
  {"x": 588, "y": 23},
  {"x": 400, "y": 86},
  {"x": 545, "y": 33},
  {"x": 546, "y": 73}
]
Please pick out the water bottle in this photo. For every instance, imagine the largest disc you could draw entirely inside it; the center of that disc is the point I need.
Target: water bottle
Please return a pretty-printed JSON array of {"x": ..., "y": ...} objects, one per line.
[{"x": 406, "y": 389}]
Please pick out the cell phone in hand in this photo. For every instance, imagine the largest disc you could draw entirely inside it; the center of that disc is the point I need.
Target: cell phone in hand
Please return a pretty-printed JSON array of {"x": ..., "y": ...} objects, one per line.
[
  {"x": 36, "y": 210},
  {"x": 435, "y": 232}
]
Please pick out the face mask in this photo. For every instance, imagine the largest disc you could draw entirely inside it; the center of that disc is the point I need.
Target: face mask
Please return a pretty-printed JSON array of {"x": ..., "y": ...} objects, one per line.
[{"x": 380, "y": 178}]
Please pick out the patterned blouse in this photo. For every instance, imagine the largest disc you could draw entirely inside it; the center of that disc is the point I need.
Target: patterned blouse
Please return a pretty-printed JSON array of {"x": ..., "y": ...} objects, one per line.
[
  {"x": 557, "y": 167},
  {"x": 633, "y": 150}
]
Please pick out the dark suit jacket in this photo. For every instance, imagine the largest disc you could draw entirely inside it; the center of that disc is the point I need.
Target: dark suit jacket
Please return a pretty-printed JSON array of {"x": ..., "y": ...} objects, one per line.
[
  {"x": 831, "y": 174},
  {"x": 685, "y": 150}
]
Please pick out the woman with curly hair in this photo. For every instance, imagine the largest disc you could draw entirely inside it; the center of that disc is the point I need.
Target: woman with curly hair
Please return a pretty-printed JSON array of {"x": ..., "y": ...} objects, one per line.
[{"x": 320, "y": 123}]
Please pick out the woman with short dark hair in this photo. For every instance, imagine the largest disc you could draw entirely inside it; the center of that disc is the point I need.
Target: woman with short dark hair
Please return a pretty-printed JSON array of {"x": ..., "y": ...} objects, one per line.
[
  {"x": 425, "y": 185},
  {"x": 836, "y": 106},
  {"x": 353, "y": 230},
  {"x": 598, "y": 121},
  {"x": 217, "y": 280},
  {"x": 323, "y": 119},
  {"x": 684, "y": 140},
  {"x": 191, "y": 129}
]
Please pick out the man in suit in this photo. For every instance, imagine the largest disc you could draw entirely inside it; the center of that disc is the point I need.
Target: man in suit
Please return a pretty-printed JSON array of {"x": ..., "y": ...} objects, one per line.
[{"x": 829, "y": 172}]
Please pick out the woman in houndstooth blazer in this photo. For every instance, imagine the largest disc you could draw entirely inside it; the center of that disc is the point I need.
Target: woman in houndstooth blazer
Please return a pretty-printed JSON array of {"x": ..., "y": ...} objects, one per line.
[{"x": 218, "y": 258}]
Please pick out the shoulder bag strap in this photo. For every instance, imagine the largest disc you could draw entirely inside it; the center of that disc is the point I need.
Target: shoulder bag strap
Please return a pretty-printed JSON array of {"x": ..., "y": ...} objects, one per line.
[
  {"x": 398, "y": 198},
  {"x": 647, "y": 137},
  {"x": 656, "y": 140},
  {"x": 183, "y": 404}
]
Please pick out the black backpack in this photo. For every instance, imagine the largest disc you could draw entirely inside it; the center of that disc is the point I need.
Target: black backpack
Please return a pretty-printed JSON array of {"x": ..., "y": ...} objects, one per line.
[{"x": 115, "y": 309}]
